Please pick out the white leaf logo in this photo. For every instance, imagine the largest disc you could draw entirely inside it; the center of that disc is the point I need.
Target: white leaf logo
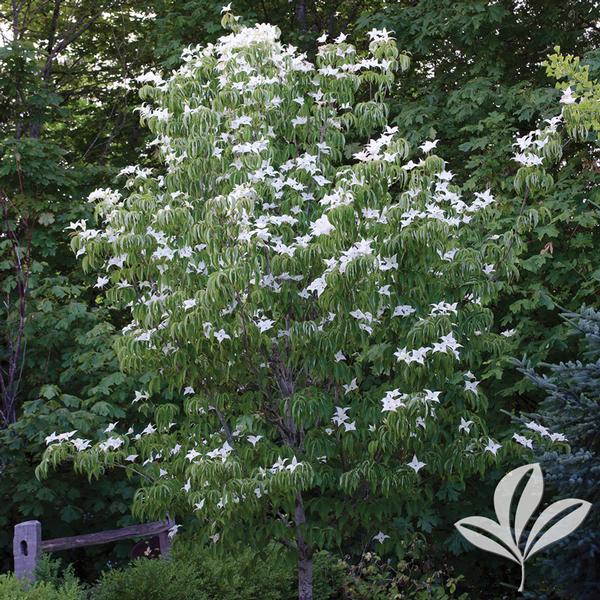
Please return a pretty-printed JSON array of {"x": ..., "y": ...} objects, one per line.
[{"x": 506, "y": 538}]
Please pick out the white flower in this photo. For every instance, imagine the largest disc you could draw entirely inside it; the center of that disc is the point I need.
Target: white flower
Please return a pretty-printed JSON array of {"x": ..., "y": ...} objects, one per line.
[
  {"x": 339, "y": 356},
  {"x": 140, "y": 396},
  {"x": 567, "y": 97},
  {"x": 393, "y": 400},
  {"x": 410, "y": 165},
  {"x": 111, "y": 443},
  {"x": 388, "y": 263},
  {"x": 189, "y": 304},
  {"x": 521, "y": 439},
  {"x": 81, "y": 444},
  {"x": 221, "y": 335},
  {"x": 318, "y": 285},
  {"x": 254, "y": 439},
  {"x": 403, "y": 310},
  {"x": 379, "y": 35},
  {"x": 320, "y": 180},
  {"x": 340, "y": 415},
  {"x": 321, "y": 226},
  {"x": 428, "y": 146},
  {"x": 492, "y": 446},
  {"x": 173, "y": 531},
  {"x": 471, "y": 386},
  {"x": 415, "y": 464},
  {"x": 226, "y": 8},
  {"x": 279, "y": 465},
  {"x": 149, "y": 429},
  {"x": 447, "y": 342},
  {"x": 350, "y": 386},
  {"x": 239, "y": 121},
  {"x": 192, "y": 454},
  {"x": 294, "y": 464},
  {"x": 381, "y": 537},
  {"x": 61, "y": 437},
  {"x": 410, "y": 356},
  {"x": 465, "y": 425},
  {"x": 432, "y": 396},
  {"x": 264, "y": 324},
  {"x": 528, "y": 159},
  {"x": 443, "y": 308}
]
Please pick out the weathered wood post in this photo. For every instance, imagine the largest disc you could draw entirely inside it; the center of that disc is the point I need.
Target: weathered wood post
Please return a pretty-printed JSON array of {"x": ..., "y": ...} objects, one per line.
[
  {"x": 27, "y": 547},
  {"x": 164, "y": 540}
]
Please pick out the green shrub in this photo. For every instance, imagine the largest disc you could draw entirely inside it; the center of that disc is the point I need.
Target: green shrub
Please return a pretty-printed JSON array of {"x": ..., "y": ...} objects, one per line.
[
  {"x": 150, "y": 580},
  {"x": 244, "y": 574},
  {"x": 329, "y": 574},
  {"x": 375, "y": 579},
  {"x": 53, "y": 571},
  {"x": 269, "y": 574},
  {"x": 13, "y": 589}
]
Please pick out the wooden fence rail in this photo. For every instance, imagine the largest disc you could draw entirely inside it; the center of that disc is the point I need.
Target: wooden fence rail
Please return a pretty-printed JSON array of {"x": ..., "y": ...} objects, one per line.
[{"x": 28, "y": 544}]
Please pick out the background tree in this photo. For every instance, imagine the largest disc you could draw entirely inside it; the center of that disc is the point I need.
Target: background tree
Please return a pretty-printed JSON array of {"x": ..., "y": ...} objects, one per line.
[
  {"x": 571, "y": 407},
  {"x": 65, "y": 82}
]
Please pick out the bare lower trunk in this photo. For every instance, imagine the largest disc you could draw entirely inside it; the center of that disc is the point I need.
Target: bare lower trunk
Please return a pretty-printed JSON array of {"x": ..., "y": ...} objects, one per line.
[
  {"x": 305, "y": 566},
  {"x": 305, "y": 578}
]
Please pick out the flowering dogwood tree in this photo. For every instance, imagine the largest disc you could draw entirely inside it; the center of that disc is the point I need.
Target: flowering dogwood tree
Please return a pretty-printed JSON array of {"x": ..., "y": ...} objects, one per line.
[{"x": 303, "y": 296}]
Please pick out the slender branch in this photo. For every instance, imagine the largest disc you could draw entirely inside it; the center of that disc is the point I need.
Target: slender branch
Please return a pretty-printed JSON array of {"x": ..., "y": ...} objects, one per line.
[
  {"x": 225, "y": 426},
  {"x": 134, "y": 470}
]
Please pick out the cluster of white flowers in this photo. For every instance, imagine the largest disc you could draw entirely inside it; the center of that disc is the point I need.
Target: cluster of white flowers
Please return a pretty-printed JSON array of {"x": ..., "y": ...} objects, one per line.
[
  {"x": 545, "y": 432},
  {"x": 531, "y": 146}
]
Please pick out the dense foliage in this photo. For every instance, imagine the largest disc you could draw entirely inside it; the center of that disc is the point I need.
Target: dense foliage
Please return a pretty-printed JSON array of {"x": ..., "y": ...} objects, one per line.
[{"x": 476, "y": 82}]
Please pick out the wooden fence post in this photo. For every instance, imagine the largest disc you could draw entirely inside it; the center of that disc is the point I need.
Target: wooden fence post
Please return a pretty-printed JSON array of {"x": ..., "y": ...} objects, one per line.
[
  {"x": 27, "y": 546},
  {"x": 164, "y": 540}
]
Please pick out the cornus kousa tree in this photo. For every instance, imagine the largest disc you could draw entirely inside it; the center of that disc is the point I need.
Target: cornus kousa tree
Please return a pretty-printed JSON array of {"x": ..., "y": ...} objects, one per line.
[{"x": 312, "y": 322}]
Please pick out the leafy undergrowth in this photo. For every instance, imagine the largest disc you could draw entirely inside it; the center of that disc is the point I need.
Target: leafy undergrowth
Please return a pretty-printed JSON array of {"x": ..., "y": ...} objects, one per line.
[{"x": 197, "y": 573}]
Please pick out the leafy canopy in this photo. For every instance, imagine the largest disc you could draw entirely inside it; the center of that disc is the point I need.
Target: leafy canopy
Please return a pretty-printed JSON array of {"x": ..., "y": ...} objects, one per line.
[{"x": 307, "y": 302}]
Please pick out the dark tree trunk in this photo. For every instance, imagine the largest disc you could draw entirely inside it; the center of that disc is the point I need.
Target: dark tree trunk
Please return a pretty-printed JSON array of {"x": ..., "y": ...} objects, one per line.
[
  {"x": 14, "y": 333},
  {"x": 301, "y": 15},
  {"x": 305, "y": 564},
  {"x": 305, "y": 578}
]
